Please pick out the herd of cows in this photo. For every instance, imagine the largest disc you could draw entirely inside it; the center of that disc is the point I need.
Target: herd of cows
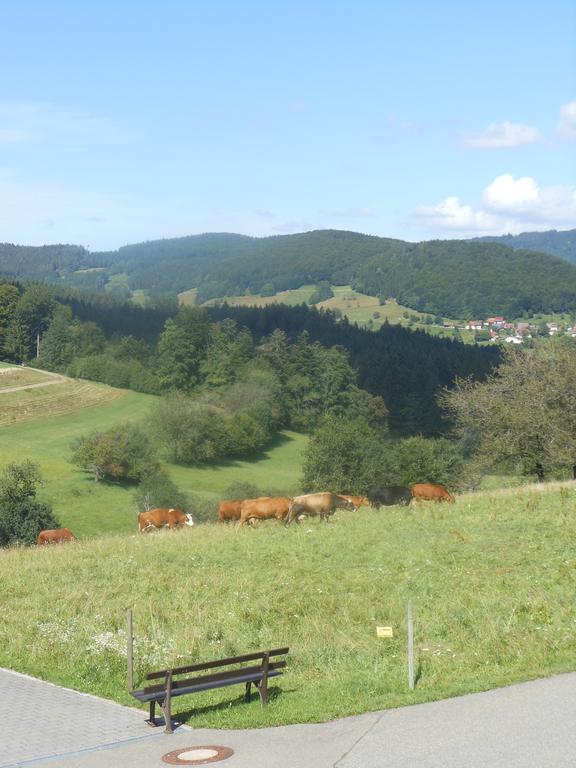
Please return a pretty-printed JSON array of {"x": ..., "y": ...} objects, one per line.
[{"x": 280, "y": 508}]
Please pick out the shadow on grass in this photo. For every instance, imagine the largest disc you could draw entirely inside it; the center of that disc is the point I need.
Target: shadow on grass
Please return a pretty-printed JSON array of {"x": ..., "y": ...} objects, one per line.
[
  {"x": 187, "y": 715},
  {"x": 277, "y": 441}
]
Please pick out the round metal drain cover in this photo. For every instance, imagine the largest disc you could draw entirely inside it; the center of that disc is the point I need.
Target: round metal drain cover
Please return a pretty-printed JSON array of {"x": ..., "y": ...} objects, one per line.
[{"x": 197, "y": 755}]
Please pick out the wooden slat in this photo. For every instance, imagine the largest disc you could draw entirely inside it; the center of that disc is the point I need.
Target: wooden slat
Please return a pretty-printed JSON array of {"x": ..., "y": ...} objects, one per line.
[
  {"x": 216, "y": 676},
  {"x": 216, "y": 663},
  {"x": 157, "y": 692}
]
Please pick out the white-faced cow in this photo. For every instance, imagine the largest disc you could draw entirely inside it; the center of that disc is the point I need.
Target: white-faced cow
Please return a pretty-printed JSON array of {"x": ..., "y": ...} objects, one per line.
[{"x": 162, "y": 517}]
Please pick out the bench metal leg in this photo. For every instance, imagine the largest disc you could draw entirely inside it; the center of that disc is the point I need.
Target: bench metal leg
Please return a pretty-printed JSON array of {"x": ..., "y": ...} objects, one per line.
[
  {"x": 248, "y": 689},
  {"x": 152, "y": 719},
  {"x": 263, "y": 684},
  {"x": 167, "y": 704},
  {"x": 167, "y": 710}
]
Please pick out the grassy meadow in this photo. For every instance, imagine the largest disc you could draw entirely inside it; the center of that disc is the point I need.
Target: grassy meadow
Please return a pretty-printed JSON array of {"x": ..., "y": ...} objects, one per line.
[
  {"x": 357, "y": 307},
  {"x": 492, "y": 579},
  {"x": 40, "y": 424}
]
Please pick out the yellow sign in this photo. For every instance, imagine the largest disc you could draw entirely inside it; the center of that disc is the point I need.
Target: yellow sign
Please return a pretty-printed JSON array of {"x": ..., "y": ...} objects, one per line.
[{"x": 384, "y": 632}]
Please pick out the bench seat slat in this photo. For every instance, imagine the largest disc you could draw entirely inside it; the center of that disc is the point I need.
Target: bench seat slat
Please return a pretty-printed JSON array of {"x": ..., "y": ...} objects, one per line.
[
  {"x": 215, "y": 676},
  {"x": 216, "y": 663},
  {"x": 205, "y": 683}
]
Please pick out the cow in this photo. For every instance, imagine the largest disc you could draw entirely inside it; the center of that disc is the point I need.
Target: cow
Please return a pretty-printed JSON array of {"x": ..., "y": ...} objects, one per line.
[
  {"x": 432, "y": 492},
  {"x": 229, "y": 510},
  {"x": 55, "y": 536},
  {"x": 162, "y": 517},
  {"x": 264, "y": 508},
  {"x": 312, "y": 504},
  {"x": 389, "y": 495},
  {"x": 358, "y": 501}
]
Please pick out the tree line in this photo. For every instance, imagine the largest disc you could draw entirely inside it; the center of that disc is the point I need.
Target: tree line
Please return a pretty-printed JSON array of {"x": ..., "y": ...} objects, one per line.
[{"x": 160, "y": 348}]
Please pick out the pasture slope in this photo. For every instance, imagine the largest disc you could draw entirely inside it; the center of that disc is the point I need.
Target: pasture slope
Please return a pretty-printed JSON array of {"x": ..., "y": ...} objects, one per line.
[
  {"x": 492, "y": 578},
  {"x": 51, "y": 418}
]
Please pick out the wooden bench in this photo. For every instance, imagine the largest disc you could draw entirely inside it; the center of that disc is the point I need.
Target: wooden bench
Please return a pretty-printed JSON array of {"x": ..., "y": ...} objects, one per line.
[{"x": 242, "y": 672}]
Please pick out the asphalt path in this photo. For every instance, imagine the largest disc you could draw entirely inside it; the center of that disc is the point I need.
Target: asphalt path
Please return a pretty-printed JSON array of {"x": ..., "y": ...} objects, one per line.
[{"x": 530, "y": 725}]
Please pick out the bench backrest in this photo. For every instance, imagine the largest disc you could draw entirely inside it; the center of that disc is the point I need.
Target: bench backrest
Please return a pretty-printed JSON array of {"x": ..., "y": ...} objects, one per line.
[{"x": 260, "y": 655}]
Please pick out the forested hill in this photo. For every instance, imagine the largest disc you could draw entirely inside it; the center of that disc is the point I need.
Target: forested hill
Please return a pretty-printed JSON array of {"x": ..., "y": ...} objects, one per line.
[
  {"x": 454, "y": 278},
  {"x": 562, "y": 244},
  {"x": 407, "y": 368},
  {"x": 46, "y": 262}
]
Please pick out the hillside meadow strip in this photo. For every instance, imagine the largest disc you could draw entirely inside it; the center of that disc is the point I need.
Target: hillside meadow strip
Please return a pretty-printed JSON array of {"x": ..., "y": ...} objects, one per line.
[
  {"x": 491, "y": 578},
  {"x": 48, "y": 421}
]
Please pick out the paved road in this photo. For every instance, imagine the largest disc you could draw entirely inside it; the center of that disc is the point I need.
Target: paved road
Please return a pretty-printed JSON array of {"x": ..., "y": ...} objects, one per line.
[{"x": 531, "y": 725}]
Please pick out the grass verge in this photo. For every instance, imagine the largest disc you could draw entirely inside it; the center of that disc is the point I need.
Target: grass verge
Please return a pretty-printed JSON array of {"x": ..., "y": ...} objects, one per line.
[{"x": 492, "y": 579}]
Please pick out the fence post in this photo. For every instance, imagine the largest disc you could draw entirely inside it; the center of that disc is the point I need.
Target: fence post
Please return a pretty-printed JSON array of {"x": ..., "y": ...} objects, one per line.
[
  {"x": 129, "y": 649},
  {"x": 410, "y": 647}
]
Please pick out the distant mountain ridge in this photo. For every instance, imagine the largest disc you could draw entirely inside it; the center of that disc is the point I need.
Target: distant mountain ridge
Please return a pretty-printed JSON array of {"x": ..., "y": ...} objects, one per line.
[
  {"x": 557, "y": 243},
  {"x": 454, "y": 278}
]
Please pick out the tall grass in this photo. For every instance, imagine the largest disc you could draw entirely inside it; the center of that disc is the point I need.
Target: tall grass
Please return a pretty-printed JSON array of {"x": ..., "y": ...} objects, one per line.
[{"x": 492, "y": 579}]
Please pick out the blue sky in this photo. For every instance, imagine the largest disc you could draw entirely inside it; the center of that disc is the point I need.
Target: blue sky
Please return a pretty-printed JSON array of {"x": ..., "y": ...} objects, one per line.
[{"x": 127, "y": 121}]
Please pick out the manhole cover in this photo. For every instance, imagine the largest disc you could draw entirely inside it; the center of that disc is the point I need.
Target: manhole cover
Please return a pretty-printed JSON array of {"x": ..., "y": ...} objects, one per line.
[{"x": 197, "y": 755}]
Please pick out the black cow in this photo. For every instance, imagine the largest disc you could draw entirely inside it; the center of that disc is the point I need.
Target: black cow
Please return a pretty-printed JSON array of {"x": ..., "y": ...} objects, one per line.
[{"x": 388, "y": 495}]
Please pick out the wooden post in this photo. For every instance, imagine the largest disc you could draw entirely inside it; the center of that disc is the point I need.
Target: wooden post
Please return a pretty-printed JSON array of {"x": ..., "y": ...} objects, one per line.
[
  {"x": 410, "y": 647},
  {"x": 129, "y": 649}
]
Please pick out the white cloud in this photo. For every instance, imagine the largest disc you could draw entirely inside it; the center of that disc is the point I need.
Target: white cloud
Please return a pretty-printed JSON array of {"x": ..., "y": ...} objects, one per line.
[
  {"x": 499, "y": 135},
  {"x": 451, "y": 214},
  {"x": 567, "y": 125},
  {"x": 509, "y": 205},
  {"x": 506, "y": 193}
]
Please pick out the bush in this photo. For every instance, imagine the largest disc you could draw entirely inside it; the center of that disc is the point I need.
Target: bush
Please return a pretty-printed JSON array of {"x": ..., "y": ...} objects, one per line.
[
  {"x": 22, "y": 517},
  {"x": 21, "y": 521},
  {"x": 344, "y": 456},
  {"x": 422, "y": 460},
  {"x": 124, "y": 374},
  {"x": 159, "y": 490},
  {"x": 121, "y": 453}
]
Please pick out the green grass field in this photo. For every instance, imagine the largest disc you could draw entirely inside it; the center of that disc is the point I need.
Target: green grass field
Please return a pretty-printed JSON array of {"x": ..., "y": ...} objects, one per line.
[
  {"x": 44, "y": 434},
  {"x": 492, "y": 579}
]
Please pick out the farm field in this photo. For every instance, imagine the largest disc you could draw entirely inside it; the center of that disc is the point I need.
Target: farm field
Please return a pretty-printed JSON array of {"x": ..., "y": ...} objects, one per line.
[
  {"x": 357, "y": 307},
  {"x": 16, "y": 376},
  {"x": 492, "y": 579},
  {"x": 292, "y": 298},
  {"x": 45, "y": 433}
]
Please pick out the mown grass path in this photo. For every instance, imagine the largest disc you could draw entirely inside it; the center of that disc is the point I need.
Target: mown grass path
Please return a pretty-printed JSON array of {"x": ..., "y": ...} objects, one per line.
[{"x": 492, "y": 579}]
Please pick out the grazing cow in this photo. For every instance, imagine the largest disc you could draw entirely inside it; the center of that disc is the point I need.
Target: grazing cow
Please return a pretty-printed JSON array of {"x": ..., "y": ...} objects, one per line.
[
  {"x": 432, "y": 492},
  {"x": 229, "y": 510},
  {"x": 163, "y": 518},
  {"x": 55, "y": 536},
  {"x": 264, "y": 508},
  {"x": 358, "y": 501},
  {"x": 311, "y": 504},
  {"x": 389, "y": 495}
]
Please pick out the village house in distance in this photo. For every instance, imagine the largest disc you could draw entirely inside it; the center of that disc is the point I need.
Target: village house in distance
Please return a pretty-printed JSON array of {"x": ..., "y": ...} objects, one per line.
[{"x": 498, "y": 330}]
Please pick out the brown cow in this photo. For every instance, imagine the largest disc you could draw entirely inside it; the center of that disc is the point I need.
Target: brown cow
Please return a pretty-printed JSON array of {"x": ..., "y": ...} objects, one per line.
[
  {"x": 358, "y": 501},
  {"x": 312, "y": 504},
  {"x": 55, "y": 536},
  {"x": 163, "y": 518},
  {"x": 264, "y": 508},
  {"x": 229, "y": 510},
  {"x": 431, "y": 492}
]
